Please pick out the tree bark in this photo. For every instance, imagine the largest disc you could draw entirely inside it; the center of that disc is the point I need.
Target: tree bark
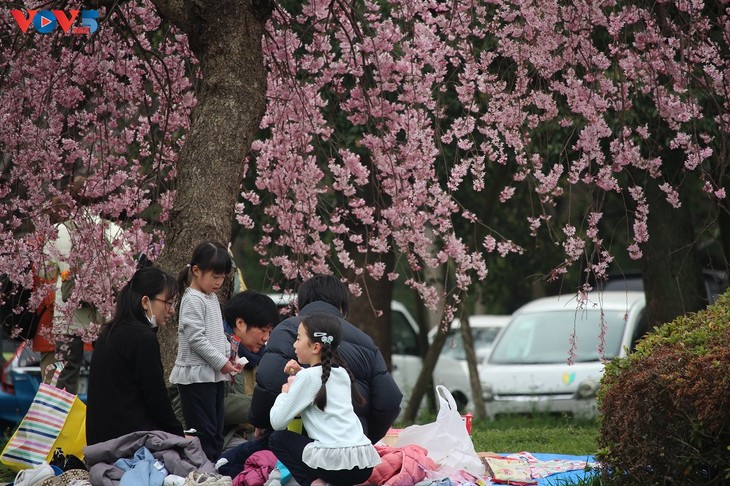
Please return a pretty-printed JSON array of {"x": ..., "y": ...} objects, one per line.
[
  {"x": 231, "y": 100},
  {"x": 424, "y": 318},
  {"x": 671, "y": 268},
  {"x": 425, "y": 378},
  {"x": 471, "y": 360},
  {"x": 376, "y": 296},
  {"x": 723, "y": 218}
]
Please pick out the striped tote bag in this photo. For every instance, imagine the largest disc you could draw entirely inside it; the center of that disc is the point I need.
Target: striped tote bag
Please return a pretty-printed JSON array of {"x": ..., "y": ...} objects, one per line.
[{"x": 56, "y": 418}]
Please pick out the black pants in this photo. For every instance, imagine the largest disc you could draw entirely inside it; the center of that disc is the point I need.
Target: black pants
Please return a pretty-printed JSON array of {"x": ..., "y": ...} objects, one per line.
[
  {"x": 202, "y": 407},
  {"x": 288, "y": 447},
  {"x": 238, "y": 455}
]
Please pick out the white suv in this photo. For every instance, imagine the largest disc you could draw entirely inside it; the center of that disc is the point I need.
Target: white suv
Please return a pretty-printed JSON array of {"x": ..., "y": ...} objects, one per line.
[
  {"x": 527, "y": 370},
  {"x": 484, "y": 330},
  {"x": 407, "y": 362}
]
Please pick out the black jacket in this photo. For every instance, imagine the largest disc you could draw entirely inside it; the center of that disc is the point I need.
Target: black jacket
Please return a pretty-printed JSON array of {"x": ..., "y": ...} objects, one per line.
[
  {"x": 127, "y": 391},
  {"x": 362, "y": 356}
]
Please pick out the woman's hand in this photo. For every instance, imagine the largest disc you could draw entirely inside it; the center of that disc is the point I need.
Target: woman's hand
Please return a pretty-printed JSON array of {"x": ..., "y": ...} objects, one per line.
[{"x": 292, "y": 367}]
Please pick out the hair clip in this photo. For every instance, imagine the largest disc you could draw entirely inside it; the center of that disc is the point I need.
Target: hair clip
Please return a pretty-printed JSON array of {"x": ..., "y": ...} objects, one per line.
[{"x": 324, "y": 337}]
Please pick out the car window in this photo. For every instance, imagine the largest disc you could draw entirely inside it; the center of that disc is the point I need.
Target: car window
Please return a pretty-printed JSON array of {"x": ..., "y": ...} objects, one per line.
[
  {"x": 403, "y": 337},
  {"x": 483, "y": 339},
  {"x": 544, "y": 337}
]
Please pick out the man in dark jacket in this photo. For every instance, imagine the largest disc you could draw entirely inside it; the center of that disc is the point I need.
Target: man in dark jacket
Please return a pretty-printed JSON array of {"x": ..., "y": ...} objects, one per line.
[{"x": 324, "y": 293}]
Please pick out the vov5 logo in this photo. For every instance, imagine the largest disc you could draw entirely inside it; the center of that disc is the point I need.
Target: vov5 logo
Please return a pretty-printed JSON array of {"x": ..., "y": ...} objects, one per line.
[{"x": 46, "y": 21}]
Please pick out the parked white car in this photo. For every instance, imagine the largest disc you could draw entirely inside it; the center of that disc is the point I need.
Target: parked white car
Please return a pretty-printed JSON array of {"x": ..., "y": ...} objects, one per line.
[
  {"x": 406, "y": 356},
  {"x": 484, "y": 330},
  {"x": 527, "y": 370},
  {"x": 407, "y": 362}
]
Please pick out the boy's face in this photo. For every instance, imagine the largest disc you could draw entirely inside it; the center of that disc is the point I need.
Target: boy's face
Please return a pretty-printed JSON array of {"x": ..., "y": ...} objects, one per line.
[{"x": 252, "y": 338}]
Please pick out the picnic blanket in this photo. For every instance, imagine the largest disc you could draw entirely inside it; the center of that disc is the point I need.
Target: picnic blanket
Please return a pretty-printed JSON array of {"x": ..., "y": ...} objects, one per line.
[
  {"x": 547, "y": 469},
  {"x": 554, "y": 469}
]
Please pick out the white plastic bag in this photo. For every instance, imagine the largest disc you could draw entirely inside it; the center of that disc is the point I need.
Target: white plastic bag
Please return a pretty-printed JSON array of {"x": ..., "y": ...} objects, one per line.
[{"x": 446, "y": 440}]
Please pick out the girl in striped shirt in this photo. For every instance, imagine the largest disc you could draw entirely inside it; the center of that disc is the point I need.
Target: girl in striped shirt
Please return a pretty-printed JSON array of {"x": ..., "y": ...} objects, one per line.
[{"x": 202, "y": 364}]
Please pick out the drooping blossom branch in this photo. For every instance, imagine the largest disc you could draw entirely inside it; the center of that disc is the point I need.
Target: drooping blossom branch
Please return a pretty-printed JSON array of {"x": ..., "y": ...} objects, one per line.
[
  {"x": 356, "y": 96},
  {"x": 379, "y": 117},
  {"x": 91, "y": 128}
]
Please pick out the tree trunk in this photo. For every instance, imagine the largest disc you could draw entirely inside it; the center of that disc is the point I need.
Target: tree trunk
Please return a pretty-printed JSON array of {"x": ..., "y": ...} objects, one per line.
[
  {"x": 428, "y": 319},
  {"x": 376, "y": 296},
  {"x": 471, "y": 360},
  {"x": 231, "y": 100},
  {"x": 671, "y": 268},
  {"x": 424, "y": 380},
  {"x": 723, "y": 217},
  {"x": 423, "y": 318}
]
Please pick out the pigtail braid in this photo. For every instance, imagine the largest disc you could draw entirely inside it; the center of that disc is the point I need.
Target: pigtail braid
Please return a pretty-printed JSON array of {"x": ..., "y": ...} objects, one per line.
[{"x": 327, "y": 354}]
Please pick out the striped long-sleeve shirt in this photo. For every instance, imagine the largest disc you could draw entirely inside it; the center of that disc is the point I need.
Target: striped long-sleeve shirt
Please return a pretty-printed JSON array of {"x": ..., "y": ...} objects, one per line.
[{"x": 202, "y": 347}]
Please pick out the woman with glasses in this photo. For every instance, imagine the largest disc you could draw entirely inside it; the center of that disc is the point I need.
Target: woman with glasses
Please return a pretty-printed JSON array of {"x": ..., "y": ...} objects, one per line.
[{"x": 127, "y": 390}]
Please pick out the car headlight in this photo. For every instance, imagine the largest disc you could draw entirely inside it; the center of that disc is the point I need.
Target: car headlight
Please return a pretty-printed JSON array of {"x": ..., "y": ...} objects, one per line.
[
  {"x": 588, "y": 389},
  {"x": 487, "y": 392}
]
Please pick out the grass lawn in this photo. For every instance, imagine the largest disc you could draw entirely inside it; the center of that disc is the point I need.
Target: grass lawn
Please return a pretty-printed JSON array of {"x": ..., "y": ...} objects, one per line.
[{"x": 541, "y": 433}]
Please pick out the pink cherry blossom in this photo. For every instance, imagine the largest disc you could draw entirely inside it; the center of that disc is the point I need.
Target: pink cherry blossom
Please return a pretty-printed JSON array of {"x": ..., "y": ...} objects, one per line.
[{"x": 377, "y": 122}]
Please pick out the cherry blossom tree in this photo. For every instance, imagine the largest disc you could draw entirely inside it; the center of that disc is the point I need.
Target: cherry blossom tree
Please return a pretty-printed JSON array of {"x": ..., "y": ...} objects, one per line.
[
  {"x": 380, "y": 118},
  {"x": 89, "y": 109},
  {"x": 433, "y": 96},
  {"x": 156, "y": 115},
  {"x": 637, "y": 95}
]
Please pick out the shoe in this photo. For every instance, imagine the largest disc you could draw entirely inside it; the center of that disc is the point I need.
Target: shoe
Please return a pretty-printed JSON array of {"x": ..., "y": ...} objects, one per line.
[
  {"x": 173, "y": 480},
  {"x": 221, "y": 462},
  {"x": 197, "y": 478},
  {"x": 31, "y": 477},
  {"x": 67, "y": 462}
]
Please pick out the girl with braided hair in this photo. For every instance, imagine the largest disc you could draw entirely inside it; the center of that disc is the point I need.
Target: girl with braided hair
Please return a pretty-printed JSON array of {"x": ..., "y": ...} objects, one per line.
[{"x": 333, "y": 448}]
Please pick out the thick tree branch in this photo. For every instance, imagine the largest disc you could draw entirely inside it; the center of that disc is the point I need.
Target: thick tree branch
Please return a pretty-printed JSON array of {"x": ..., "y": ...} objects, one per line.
[{"x": 175, "y": 11}]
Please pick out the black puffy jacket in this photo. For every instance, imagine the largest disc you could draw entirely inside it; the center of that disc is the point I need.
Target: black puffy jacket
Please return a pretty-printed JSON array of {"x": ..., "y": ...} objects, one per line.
[{"x": 372, "y": 378}]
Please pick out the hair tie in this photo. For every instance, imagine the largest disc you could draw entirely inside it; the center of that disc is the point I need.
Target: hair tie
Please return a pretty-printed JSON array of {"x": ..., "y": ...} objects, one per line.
[
  {"x": 324, "y": 337},
  {"x": 188, "y": 265}
]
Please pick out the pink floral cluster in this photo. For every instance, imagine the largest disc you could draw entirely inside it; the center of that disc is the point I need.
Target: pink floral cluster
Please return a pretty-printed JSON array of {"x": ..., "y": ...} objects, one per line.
[
  {"x": 90, "y": 126},
  {"x": 378, "y": 116},
  {"x": 361, "y": 118}
]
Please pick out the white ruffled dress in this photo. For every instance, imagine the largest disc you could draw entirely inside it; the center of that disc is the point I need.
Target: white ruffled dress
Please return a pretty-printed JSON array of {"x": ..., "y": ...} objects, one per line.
[{"x": 339, "y": 442}]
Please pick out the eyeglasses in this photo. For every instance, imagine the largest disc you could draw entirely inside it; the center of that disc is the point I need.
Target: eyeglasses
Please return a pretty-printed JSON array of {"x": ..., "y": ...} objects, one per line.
[{"x": 169, "y": 303}]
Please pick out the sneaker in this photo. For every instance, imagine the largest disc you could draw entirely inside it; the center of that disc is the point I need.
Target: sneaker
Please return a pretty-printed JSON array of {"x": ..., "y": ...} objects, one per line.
[
  {"x": 221, "y": 462},
  {"x": 31, "y": 477},
  {"x": 196, "y": 478},
  {"x": 173, "y": 480}
]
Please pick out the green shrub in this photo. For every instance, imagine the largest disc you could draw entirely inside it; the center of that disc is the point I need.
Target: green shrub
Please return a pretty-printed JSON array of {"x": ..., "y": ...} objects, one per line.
[{"x": 665, "y": 408}]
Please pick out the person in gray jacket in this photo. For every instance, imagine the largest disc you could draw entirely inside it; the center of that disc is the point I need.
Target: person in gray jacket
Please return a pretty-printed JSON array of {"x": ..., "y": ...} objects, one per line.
[{"x": 382, "y": 397}]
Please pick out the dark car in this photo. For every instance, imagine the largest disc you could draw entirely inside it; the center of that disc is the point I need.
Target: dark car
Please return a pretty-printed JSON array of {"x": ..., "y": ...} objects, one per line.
[{"x": 716, "y": 283}]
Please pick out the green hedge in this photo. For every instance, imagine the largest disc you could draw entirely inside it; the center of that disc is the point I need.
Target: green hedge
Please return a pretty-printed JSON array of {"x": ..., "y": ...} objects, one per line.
[{"x": 665, "y": 408}]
